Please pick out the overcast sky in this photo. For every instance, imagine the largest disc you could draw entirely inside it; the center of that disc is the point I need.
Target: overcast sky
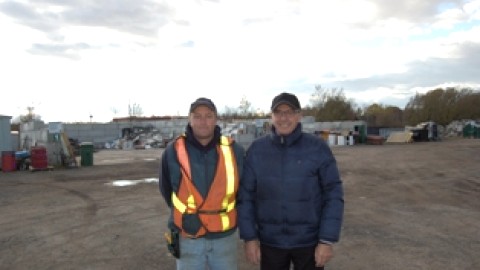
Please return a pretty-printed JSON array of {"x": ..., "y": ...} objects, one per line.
[{"x": 72, "y": 59}]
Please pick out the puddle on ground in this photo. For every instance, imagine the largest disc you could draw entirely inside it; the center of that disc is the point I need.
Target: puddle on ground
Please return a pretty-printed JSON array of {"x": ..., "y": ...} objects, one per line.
[{"x": 123, "y": 183}]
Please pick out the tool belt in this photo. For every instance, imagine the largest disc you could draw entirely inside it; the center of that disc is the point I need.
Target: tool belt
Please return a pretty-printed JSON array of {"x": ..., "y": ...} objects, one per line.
[{"x": 173, "y": 243}]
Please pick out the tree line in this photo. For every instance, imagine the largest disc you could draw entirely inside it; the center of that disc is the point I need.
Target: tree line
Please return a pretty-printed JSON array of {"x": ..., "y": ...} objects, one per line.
[{"x": 439, "y": 105}]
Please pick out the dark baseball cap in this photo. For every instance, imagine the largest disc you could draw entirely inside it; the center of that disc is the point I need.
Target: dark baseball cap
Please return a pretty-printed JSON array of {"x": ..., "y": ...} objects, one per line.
[
  {"x": 203, "y": 102},
  {"x": 286, "y": 98}
]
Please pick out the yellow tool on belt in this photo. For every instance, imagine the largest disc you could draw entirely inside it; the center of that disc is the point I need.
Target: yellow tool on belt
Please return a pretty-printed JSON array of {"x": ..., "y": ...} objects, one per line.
[
  {"x": 168, "y": 236},
  {"x": 173, "y": 243}
]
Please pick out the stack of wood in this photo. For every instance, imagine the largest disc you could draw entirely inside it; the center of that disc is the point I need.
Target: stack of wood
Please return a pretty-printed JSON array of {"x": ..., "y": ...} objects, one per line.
[{"x": 374, "y": 139}]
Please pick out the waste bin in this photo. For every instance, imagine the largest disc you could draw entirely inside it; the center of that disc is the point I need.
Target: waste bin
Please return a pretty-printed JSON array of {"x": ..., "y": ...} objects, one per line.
[
  {"x": 468, "y": 131},
  {"x": 361, "y": 132},
  {"x": 476, "y": 132},
  {"x": 39, "y": 157},
  {"x": 86, "y": 154},
  {"x": 8, "y": 161}
]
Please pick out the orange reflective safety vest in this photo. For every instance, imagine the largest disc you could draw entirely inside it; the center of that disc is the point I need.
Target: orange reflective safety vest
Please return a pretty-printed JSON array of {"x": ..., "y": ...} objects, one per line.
[{"x": 217, "y": 211}]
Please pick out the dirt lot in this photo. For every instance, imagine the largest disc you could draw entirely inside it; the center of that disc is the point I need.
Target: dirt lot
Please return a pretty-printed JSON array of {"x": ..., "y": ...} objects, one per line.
[{"x": 414, "y": 206}]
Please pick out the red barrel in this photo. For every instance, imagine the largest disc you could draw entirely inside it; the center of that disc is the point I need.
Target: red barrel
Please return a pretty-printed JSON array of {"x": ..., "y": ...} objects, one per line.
[
  {"x": 38, "y": 156},
  {"x": 8, "y": 161}
]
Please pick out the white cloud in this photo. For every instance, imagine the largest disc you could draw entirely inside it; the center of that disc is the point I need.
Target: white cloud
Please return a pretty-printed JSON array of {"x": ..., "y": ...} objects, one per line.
[
  {"x": 472, "y": 8},
  {"x": 71, "y": 60}
]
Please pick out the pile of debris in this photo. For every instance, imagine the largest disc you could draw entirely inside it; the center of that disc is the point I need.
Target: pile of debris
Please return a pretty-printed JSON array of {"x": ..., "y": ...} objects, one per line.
[
  {"x": 140, "y": 138},
  {"x": 465, "y": 128}
]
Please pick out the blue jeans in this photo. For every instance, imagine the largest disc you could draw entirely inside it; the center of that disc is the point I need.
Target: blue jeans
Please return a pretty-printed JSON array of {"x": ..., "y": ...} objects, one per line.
[{"x": 211, "y": 254}]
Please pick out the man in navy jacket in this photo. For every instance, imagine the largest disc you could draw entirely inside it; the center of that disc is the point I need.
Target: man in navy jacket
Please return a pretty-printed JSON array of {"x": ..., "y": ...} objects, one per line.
[{"x": 290, "y": 202}]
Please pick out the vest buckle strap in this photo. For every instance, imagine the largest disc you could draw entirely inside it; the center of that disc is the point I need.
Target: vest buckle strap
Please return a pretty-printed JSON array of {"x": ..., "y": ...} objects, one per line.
[{"x": 212, "y": 212}]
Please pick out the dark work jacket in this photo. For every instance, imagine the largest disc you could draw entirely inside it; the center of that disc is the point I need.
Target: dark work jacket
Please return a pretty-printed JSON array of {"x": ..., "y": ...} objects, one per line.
[
  {"x": 203, "y": 163},
  {"x": 290, "y": 194}
]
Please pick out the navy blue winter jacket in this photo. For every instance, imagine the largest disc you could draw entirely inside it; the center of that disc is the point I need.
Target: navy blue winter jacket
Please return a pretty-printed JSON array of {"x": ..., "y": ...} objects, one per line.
[{"x": 291, "y": 193}]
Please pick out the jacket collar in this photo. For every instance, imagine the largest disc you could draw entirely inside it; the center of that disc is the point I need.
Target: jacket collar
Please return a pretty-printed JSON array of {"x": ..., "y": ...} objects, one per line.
[
  {"x": 286, "y": 139},
  {"x": 192, "y": 140}
]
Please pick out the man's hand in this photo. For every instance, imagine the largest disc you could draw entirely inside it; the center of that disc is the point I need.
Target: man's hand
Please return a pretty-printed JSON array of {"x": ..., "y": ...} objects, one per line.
[
  {"x": 252, "y": 251},
  {"x": 323, "y": 254}
]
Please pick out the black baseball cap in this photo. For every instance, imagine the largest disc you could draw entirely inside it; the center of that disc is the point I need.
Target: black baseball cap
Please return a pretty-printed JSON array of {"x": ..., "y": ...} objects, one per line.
[
  {"x": 203, "y": 102},
  {"x": 286, "y": 98}
]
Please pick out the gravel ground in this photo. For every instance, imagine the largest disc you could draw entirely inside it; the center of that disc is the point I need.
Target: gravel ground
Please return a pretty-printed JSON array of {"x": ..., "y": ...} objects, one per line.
[{"x": 408, "y": 206}]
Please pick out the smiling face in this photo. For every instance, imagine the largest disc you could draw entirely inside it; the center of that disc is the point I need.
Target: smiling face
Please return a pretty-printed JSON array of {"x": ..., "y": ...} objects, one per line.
[
  {"x": 285, "y": 119},
  {"x": 203, "y": 121}
]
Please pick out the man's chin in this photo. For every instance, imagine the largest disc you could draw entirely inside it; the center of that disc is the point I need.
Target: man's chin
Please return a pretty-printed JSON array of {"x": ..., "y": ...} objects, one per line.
[
  {"x": 204, "y": 134},
  {"x": 284, "y": 131}
]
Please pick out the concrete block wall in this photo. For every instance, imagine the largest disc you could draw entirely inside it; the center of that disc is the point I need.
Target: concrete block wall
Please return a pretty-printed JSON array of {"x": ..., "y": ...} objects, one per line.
[
  {"x": 337, "y": 126},
  {"x": 15, "y": 139},
  {"x": 54, "y": 153},
  {"x": 95, "y": 133},
  {"x": 99, "y": 134},
  {"x": 37, "y": 137}
]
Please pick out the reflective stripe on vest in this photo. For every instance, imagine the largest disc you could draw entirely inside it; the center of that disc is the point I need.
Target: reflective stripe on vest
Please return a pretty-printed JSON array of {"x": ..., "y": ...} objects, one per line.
[
  {"x": 230, "y": 186},
  {"x": 217, "y": 212}
]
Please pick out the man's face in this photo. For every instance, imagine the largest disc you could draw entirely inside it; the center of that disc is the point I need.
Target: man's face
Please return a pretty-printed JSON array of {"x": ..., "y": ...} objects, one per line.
[
  {"x": 285, "y": 119},
  {"x": 203, "y": 121}
]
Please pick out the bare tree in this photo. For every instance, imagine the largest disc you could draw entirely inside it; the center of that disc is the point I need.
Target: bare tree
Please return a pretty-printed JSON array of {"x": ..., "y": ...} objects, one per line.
[
  {"x": 30, "y": 116},
  {"x": 331, "y": 105},
  {"x": 135, "y": 110},
  {"x": 443, "y": 106},
  {"x": 245, "y": 108},
  {"x": 378, "y": 115},
  {"x": 229, "y": 113}
]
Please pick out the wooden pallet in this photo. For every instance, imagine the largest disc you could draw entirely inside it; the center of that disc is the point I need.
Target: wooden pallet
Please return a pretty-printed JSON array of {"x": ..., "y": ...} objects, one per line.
[{"x": 68, "y": 151}]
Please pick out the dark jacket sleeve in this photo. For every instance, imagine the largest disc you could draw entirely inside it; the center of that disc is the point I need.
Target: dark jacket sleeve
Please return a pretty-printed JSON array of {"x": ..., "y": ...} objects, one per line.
[
  {"x": 246, "y": 203},
  {"x": 332, "y": 200},
  {"x": 164, "y": 181},
  {"x": 240, "y": 158}
]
